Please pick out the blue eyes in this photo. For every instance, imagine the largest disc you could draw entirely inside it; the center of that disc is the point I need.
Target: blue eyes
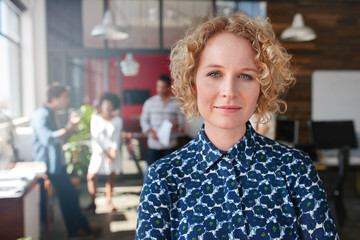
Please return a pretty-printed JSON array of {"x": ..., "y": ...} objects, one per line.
[
  {"x": 246, "y": 76},
  {"x": 214, "y": 74},
  {"x": 243, "y": 76}
]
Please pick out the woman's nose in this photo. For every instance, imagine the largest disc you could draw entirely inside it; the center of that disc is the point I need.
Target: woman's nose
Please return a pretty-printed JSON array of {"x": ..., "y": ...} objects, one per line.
[{"x": 228, "y": 89}]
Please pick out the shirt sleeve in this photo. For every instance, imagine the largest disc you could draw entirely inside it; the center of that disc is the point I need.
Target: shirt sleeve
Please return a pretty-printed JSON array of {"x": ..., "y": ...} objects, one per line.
[
  {"x": 145, "y": 118},
  {"x": 309, "y": 198},
  {"x": 57, "y": 136},
  {"x": 154, "y": 211},
  {"x": 94, "y": 132},
  {"x": 45, "y": 135},
  {"x": 116, "y": 137}
]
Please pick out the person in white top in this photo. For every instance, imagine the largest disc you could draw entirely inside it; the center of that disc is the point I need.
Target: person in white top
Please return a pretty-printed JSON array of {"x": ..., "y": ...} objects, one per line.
[{"x": 105, "y": 129}]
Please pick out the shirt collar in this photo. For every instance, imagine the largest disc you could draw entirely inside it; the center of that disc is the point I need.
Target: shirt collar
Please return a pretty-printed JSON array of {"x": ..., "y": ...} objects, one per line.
[{"x": 242, "y": 151}]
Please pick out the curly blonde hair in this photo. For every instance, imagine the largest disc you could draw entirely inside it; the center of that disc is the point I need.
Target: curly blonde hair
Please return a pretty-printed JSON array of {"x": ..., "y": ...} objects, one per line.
[{"x": 271, "y": 58}]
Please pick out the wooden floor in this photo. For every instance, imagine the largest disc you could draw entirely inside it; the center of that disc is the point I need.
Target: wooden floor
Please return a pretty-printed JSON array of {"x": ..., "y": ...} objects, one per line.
[{"x": 119, "y": 225}]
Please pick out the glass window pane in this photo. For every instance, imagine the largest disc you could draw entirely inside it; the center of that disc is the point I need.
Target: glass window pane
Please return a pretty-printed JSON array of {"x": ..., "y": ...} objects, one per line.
[
  {"x": 10, "y": 78},
  {"x": 140, "y": 18},
  {"x": 92, "y": 13},
  {"x": 179, "y": 15},
  {"x": 252, "y": 8},
  {"x": 91, "y": 76},
  {"x": 225, "y": 8},
  {"x": 88, "y": 79},
  {"x": 9, "y": 22}
]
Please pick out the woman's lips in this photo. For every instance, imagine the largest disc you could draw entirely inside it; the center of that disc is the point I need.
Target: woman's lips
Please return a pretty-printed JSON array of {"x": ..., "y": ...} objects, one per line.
[{"x": 228, "y": 108}]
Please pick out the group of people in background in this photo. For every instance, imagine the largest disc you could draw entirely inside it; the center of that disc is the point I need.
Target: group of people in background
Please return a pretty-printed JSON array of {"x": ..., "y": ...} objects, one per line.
[
  {"x": 105, "y": 131},
  {"x": 230, "y": 182}
]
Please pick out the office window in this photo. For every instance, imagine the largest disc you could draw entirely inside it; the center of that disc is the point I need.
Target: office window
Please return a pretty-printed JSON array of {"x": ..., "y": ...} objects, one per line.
[
  {"x": 10, "y": 97},
  {"x": 180, "y": 15},
  {"x": 252, "y": 8},
  {"x": 140, "y": 18}
]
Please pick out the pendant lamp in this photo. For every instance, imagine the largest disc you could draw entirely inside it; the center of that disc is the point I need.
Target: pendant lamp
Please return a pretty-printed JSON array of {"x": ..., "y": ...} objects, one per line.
[
  {"x": 108, "y": 29},
  {"x": 298, "y": 32},
  {"x": 129, "y": 66}
]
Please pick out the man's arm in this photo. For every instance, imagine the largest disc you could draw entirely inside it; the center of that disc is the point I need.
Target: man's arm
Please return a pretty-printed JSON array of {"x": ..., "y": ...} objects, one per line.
[
  {"x": 72, "y": 123},
  {"x": 145, "y": 118},
  {"x": 145, "y": 121},
  {"x": 42, "y": 131},
  {"x": 115, "y": 141}
]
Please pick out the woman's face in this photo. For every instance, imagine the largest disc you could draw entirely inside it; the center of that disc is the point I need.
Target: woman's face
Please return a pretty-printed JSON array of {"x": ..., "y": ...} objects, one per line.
[
  {"x": 226, "y": 85},
  {"x": 106, "y": 109}
]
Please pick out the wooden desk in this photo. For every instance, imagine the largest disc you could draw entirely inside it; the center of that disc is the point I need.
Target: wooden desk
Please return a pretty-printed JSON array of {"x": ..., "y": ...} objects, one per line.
[
  {"x": 20, "y": 205},
  {"x": 20, "y": 215},
  {"x": 333, "y": 161}
]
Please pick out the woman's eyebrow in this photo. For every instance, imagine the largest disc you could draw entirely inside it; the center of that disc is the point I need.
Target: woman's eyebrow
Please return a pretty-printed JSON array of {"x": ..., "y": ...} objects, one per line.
[{"x": 255, "y": 70}]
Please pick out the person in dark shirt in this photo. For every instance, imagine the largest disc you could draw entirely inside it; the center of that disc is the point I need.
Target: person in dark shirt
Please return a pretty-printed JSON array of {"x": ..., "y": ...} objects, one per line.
[{"x": 231, "y": 182}]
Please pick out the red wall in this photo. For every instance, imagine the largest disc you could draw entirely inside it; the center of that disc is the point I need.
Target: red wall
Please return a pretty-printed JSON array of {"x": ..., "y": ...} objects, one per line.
[{"x": 151, "y": 66}]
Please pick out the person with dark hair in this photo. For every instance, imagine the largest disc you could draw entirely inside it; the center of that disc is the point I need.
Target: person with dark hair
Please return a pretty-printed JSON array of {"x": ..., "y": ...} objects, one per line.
[
  {"x": 165, "y": 78},
  {"x": 231, "y": 182},
  {"x": 48, "y": 138},
  {"x": 157, "y": 109},
  {"x": 105, "y": 129}
]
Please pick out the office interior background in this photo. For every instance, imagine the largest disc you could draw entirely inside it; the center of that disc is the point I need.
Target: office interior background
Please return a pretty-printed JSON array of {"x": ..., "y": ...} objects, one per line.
[{"x": 43, "y": 41}]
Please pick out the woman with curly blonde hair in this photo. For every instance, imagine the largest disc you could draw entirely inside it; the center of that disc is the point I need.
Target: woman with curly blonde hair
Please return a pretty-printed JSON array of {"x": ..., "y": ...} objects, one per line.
[{"x": 231, "y": 182}]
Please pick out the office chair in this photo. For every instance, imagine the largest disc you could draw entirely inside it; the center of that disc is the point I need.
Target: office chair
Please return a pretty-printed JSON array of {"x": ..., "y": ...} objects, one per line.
[
  {"x": 336, "y": 135},
  {"x": 335, "y": 197}
]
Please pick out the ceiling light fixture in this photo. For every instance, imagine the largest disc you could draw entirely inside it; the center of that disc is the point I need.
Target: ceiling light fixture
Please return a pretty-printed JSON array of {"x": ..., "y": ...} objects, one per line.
[
  {"x": 298, "y": 32},
  {"x": 108, "y": 29},
  {"x": 129, "y": 66}
]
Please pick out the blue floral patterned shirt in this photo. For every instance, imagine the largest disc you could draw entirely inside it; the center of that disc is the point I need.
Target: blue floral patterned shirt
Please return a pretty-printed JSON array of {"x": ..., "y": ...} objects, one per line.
[{"x": 259, "y": 189}]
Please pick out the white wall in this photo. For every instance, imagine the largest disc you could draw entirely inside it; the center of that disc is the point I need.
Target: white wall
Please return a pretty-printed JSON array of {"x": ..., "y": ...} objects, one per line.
[
  {"x": 34, "y": 56},
  {"x": 33, "y": 70},
  {"x": 336, "y": 96}
]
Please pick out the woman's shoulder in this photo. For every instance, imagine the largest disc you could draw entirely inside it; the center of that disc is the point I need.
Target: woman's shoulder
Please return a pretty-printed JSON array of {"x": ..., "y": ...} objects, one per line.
[
  {"x": 284, "y": 154},
  {"x": 177, "y": 160},
  {"x": 40, "y": 113}
]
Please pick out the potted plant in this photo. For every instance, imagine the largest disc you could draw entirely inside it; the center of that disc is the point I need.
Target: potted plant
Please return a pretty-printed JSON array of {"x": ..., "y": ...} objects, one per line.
[{"x": 77, "y": 149}]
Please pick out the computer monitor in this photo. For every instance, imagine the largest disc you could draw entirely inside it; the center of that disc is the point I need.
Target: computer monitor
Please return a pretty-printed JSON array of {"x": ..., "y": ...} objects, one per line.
[
  {"x": 136, "y": 96},
  {"x": 333, "y": 134},
  {"x": 286, "y": 131}
]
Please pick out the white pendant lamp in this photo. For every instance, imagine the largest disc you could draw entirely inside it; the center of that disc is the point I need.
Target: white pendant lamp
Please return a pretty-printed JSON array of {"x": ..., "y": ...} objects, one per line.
[
  {"x": 108, "y": 29},
  {"x": 129, "y": 66},
  {"x": 298, "y": 32}
]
